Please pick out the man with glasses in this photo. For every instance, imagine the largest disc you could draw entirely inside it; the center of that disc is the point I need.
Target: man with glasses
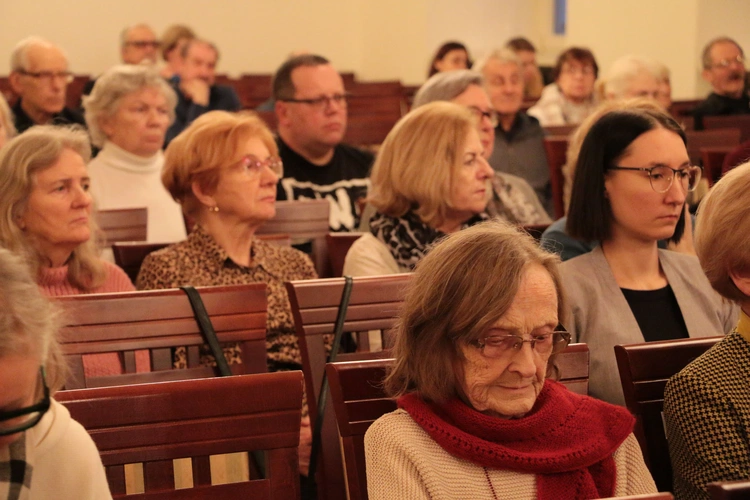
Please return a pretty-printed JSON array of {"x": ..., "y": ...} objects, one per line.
[
  {"x": 40, "y": 76},
  {"x": 311, "y": 109},
  {"x": 196, "y": 88},
  {"x": 724, "y": 69}
]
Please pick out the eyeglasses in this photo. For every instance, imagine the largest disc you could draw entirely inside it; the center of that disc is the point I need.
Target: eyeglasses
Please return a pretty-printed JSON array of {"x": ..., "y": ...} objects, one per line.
[
  {"x": 544, "y": 344},
  {"x": 14, "y": 421},
  {"x": 49, "y": 76},
  {"x": 142, "y": 44},
  {"x": 725, "y": 63},
  {"x": 322, "y": 102},
  {"x": 661, "y": 176},
  {"x": 491, "y": 115},
  {"x": 253, "y": 166},
  {"x": 577, "y": 70}
]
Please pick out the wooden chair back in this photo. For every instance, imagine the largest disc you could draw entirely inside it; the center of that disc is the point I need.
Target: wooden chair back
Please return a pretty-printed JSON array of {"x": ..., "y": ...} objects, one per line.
[
  {"x": 125, "y": 224},
  {"x": 662, "y": 495},
  {"x": 713, "y": 161},
  {"x": 159, "y": 321},
  {"x": 729, "y": 490},
  {"x": 560, "y": 130},
  {"x": 304, "y": 221},
  {"x": 644, "y": 371},
  {"x": 697, "y": 139},
  {"x": 556, "y": 149},
  {"x": 338, "y": 246},
  {"x": 374, "y": 304},
  {"x": 129, "y": 255},
  {"x": 154, "y": 424},
  {"x": 741, "y": 122},
  {"x": 359, "y": 399},
  {"x": 683, "y": 108},
  {"x": 74, "y": 91}
]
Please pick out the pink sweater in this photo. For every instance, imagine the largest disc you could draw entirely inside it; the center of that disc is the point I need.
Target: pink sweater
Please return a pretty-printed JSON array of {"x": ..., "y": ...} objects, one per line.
[{"x": 53, "y": 282}]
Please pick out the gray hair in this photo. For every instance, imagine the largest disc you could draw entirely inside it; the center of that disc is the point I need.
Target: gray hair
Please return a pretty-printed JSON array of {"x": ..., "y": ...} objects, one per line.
[
  {"x": 112, "y": 86},
  {"x": 19, "y": 58},
  {"x": 126, "y": 31},
  {"x": 623, "y": 71},
  {"x": 706, "y": 56},
  {"x": 504, "y": 55},
  {"x": 446, "y": 86}
]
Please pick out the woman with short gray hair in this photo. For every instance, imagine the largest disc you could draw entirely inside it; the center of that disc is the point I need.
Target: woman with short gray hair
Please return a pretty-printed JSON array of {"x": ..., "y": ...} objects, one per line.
[{"x": 128, "y": 113}]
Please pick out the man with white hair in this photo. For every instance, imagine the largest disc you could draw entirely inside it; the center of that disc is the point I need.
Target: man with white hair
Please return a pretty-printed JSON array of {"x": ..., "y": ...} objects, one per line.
[
  {"x": 39, "y": 75},
  {"x": 724, "y": 68},
  {"x": 632, "y": 76},
  {"x": 139, "y": 44},
  {"x": 519, "y": 138}
]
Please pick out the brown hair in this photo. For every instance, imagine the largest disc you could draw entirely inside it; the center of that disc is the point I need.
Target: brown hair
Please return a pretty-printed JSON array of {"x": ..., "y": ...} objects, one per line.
[
  {"x": 579, "y": 54},
  {"x": 459, "y": 290},
  {"x": 720, "y": 249},
  {"x": 172, "y": 36},
  {"x": 443, "y": 50},
  {"x": 202, "y": 149},
  {"x": 419, "y": 160}
]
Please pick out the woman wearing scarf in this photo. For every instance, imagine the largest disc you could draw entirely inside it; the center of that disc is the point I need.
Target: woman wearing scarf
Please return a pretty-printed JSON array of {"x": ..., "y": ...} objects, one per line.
[
  {"x": 478, "y": 416},
  {"x": 429, "y": 180}
]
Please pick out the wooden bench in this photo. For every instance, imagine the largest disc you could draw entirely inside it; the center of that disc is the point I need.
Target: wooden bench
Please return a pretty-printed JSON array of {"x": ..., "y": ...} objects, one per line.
[
  {"x": 556, "y": 149},
  {"x": 125, "y": 224}
]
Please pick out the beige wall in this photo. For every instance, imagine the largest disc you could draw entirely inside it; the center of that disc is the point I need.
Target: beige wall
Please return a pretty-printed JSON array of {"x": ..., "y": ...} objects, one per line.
[{"x": 385, "y": 39}]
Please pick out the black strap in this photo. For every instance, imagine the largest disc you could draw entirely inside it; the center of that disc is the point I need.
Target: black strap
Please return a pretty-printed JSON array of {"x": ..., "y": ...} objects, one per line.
[
  {"x": 338, "y": 331},
  {"x": 207, "y": 329}
]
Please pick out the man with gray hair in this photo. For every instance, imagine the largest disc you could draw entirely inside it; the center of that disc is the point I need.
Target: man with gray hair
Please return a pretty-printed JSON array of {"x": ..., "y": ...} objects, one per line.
[
  {"x": 513, "y": 199},
  {"x": 519, "y": 138},
  {"x": 39, "y": 75},
  {"x": 724, "y": 68}
]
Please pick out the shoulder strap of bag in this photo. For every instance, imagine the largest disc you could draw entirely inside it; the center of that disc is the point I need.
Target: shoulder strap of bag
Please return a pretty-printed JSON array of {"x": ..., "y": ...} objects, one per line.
[{"x": 207, "y": 329}]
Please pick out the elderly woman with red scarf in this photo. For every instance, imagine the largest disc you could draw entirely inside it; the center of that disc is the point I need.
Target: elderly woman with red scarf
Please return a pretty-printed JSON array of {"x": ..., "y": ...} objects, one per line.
[{"x": 479, "y": 416}]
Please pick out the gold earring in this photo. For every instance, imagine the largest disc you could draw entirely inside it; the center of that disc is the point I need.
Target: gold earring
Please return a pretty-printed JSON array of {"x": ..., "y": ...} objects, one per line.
[{"x": 213, "y": 209}]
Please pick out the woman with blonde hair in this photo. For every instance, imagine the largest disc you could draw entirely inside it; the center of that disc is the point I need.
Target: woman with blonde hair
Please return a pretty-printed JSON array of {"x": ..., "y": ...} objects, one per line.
[
  {"x": 43, "y": 452},
  {"x": 429, "y": 180},
  {"x": 172, "y": 40},
  {"x": 46, "y": 212}
]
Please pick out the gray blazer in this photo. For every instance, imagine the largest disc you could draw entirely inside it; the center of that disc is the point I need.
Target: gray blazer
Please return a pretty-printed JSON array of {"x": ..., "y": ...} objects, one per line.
[{"x": 598, "y": 314}]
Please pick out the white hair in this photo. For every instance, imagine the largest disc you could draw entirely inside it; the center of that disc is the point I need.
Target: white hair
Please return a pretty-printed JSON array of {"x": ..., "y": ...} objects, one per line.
[
  {"x": 504, "y": 55},
  {"x": 126, "y": 31},
  {"x": 624, "y": 70},
  {"x": 19, "y": 58},
  {"x": 112, "y": 86}
]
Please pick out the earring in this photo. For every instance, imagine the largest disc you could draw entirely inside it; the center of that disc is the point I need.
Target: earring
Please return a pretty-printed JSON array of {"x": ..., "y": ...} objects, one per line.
[{"x": 213, "y": 209}]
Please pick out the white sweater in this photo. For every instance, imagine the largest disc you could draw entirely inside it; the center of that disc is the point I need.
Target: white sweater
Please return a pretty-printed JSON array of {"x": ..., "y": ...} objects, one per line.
[{"x": 123, "y": 180}]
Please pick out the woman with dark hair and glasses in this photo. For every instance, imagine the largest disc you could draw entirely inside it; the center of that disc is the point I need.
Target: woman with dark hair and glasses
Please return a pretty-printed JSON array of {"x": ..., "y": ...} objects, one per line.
[
  {"x": 631, "y": 181},
  {"x": 480, "y": 414},
  {"x": 43, "y": 452}
]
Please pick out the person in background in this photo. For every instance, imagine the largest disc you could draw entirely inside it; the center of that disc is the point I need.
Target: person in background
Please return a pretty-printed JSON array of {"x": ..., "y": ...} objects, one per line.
[
  {"x": 196, "y": 87},
  {"x": 7, "y": 125},
  {"x": 450, "y": 56},
  {"x": 533, "y": 82},
  {"x": 724, "y": 69},
  {"x": 429, "y": 179},
  {"x": 631, "y": 76},
  {"x": 39, "y": 75},
  {"x": 480, "y": 414},
  {"x": 707, "y": 404},
  {"x": 44, "y": 453},
  {"x": 128, "y": 113},
  {"x": 664, "y": 97},
  {"x": 629, "y": 192},
  {"x": 519, "y": 139},
  {"x": 571, "y": 98},
  {"x": 172, "y": 41},
  {"x": 513, "y": 199},
  {"x": 311, "y": 110}
]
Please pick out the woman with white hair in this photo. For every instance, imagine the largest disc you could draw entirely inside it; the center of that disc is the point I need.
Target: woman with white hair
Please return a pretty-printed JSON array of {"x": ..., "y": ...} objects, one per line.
[
  {"x": 128, "y": 113},
  {"x": 631, "y": 76}
]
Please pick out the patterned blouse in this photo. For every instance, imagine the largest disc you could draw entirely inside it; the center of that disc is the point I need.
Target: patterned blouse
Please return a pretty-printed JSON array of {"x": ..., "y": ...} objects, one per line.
[{"x": 200, "y": 261}]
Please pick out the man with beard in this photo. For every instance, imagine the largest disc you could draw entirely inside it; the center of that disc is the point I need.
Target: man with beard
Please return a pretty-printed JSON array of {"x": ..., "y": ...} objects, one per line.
[
  {"x": 724, "y": 69},
  {"x": 311, "y": 109}
]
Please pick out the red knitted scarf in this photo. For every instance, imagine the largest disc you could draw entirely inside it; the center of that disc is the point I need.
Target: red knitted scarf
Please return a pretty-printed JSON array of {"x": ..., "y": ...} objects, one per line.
[{"x": 567, "y": 440}]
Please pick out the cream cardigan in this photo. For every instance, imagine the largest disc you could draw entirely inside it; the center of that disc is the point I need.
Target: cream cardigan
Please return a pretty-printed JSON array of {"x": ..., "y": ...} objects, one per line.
[{"x": 403, "y": 461}]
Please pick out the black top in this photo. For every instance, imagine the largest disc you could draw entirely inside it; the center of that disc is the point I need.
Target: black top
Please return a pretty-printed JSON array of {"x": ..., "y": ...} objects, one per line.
[
  {"x": 65, "y": 117},
  {"x": 342, "y": 181},
  {"x": 657, "y": 312},
  {"x": 716, "y": 104}
]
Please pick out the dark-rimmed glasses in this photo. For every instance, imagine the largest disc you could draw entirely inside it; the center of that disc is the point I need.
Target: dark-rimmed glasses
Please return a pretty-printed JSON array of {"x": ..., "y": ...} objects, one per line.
[
  {"x": 661, "y": 176},
  {"x": 544, "y": 344},
  {"x": 142, "y": 44},
  {"x": 254, "y": 167},
  {"x": 725, "y": 63},
  {"x": 15, "y": 421},
  {"x": 49, "y": 76},
  {"x": 491, "y": 115},
  {"x": 322, "y": 102}
]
